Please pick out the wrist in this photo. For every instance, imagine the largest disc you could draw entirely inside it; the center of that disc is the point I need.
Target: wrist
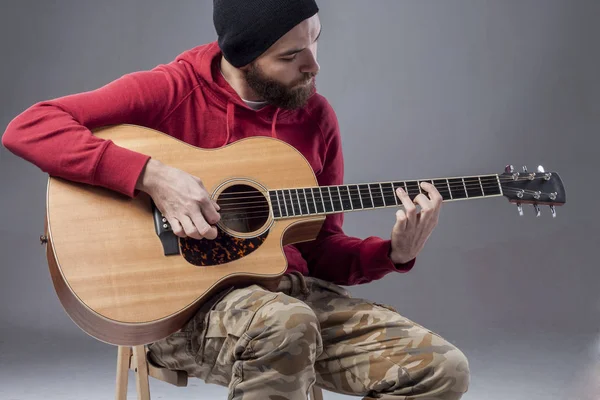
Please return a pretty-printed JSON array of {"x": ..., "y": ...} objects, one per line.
[
  {"x": 149, "y": 177},
  {"x": 398, "y": 259}
]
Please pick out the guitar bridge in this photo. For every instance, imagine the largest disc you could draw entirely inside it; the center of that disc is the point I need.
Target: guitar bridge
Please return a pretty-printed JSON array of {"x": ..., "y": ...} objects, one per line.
[{"x": 169, "y": 240}]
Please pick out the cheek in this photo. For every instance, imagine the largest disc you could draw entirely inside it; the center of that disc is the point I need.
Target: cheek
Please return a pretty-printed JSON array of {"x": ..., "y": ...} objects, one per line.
[{"x": 286, "y": 74}]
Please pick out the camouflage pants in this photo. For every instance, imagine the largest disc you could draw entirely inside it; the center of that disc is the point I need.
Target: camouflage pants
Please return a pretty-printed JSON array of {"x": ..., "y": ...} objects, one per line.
[{"x": 276, "y": 345}]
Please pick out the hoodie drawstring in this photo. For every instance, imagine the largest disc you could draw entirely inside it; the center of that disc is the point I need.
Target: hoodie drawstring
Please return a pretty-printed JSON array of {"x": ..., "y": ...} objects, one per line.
[
  {"x": 273, "y": 131},
  {"x": 231, "y": 122}
]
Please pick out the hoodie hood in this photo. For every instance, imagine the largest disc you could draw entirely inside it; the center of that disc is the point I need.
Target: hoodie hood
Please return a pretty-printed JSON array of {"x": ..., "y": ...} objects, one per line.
[{"x": 205, "y": 60}]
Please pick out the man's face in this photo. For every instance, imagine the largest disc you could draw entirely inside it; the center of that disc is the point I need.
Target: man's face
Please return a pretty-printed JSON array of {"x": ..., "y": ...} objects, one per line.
[{"x": 284, "y": 74}]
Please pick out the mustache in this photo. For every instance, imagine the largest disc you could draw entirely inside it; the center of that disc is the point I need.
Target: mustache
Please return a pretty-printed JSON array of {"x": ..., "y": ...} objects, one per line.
[{"x": 305, "y": 78}]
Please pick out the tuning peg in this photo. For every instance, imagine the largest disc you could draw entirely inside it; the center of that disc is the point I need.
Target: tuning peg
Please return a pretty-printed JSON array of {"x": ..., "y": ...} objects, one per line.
[
  {"x": 537, "y": 210},
  {"x": 525, "y": 168},
  {"x": 553, "y": 211},
  {"x": 540, "y": 169},
  {"x": 509, "y": 169},
  {"x": 520, "y": 209}
]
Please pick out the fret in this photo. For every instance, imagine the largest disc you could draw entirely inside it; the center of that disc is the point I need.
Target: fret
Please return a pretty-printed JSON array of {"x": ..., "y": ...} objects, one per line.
[
  {"x": 472, "y": 186},
  {"x": 355, "y": 198},
  {"x": 377, "y": 199},
  {"x": 412, "y": 189},
  {"x": 303, "y": 210},
  {"x": 395, "y": 186},
  {"x": 275, "y": 204},
  {"x": 337, "y": 188},
  {"x": 319, "y": 204},
  {"x": 302, "y": 202},
  {"x": 419, "y": 185},
  {"x": 296, "y": 201},
  {"x": 442, "y": 186},
  {"x": 371, "y": 195},
  {"x": 366, "y": 197},
  {"x": 291, "y": 202},
  {"x": 312, "y": 207},
  {"x": 499, "y": 185},
  {"x": 465, "y": 186},
  {"x": 345, "y": 198},
  {"x": 327, "y": 203},
  {"x": 382, "y": 196},
  {"x": 491, "y": 185},
  {"x": 288, "y": 204},
  {"x": 389, "y": 197},
  {"x": 481, "y": 186},
  {"x": 449, "y": 191},
  {"x": 335, "y": 198},
  {"x": 281, "y": 199},
  {"x": 457, "y": 189}
]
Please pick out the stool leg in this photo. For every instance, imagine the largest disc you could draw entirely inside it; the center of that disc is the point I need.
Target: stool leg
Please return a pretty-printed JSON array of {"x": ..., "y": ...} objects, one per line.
[
  {"x": 123, "y": 359},
  {"x": 141, "y": 373},
  {"x": 316, "y": 393}
]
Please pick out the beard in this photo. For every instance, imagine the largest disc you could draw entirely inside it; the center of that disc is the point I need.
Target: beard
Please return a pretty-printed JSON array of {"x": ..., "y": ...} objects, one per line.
[{"x": 277, "y": 94}]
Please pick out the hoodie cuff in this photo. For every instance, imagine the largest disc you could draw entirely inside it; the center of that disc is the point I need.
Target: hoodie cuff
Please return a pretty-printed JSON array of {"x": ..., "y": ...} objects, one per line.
[
  {"x": 379, "y": 261},
  {"x": 119, "y": 169}
]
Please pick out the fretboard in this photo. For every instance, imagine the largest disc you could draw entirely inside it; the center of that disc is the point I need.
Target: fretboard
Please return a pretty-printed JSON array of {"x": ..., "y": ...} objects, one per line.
[{"x": 323, "y": 200}]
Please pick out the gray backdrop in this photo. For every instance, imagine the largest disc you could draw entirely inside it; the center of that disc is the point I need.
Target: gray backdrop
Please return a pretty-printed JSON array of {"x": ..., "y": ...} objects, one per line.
[{"x": 422, "y": 89}]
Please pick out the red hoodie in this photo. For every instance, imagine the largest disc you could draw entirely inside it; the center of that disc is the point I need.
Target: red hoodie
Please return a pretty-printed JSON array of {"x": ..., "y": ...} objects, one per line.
[{"x": 190, "y": 100}]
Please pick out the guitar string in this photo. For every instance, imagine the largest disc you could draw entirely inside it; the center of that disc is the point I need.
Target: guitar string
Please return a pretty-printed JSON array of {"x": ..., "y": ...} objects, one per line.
[
  {"x": 443, "y": 187},
  {"x": 298, "y": 207},
  {"x": 353, "y": 195},
  {"x": 308, "y": 204},
  {"x": 293, "y": 216},
  {"x": 308, "y": 199},
  {"x": 303, "y": 197}
]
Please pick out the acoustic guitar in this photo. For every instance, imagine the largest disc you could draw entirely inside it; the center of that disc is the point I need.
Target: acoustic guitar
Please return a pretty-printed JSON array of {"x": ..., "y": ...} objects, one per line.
[{"x": 125, "y": 278}]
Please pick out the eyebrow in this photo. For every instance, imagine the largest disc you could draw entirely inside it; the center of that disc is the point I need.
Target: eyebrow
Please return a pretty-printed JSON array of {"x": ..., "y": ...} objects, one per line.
[{"x": 294, "y": 51}]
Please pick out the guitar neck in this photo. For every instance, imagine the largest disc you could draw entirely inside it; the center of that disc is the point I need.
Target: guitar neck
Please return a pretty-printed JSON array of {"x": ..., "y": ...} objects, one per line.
[{"x": 323, "y": 200}]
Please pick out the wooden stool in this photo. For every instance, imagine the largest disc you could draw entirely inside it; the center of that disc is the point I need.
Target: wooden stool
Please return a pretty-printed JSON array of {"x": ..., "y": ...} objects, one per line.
[{"x": 136, "y": 359}]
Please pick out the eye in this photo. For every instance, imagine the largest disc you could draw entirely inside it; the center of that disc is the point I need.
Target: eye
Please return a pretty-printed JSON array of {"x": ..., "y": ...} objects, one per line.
[{"x": 292, "y": 58}]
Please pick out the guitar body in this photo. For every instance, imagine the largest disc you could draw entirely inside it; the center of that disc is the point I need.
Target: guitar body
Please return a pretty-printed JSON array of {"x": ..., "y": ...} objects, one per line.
[{"x": 107, "y": 261}]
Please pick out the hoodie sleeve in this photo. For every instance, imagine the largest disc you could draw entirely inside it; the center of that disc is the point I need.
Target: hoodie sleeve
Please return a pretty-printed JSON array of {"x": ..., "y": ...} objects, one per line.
[
  {"x": 334, "y": 256},
  {"x": 55, "y": 135}
]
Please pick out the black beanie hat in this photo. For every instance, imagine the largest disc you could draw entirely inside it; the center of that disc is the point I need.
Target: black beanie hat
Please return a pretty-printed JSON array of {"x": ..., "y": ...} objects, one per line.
[{"x": 247, "y": 28}]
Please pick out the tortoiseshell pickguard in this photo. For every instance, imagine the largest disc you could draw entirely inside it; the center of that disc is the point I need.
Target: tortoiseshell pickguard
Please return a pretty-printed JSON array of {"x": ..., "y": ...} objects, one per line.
[{"x": 222, "y": 250}]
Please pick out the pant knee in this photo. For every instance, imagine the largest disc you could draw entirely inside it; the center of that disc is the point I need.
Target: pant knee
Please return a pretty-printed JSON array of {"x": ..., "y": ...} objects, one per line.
[
  {"x": 454, "y": 371},
  {"x": 288, "y": 327}
]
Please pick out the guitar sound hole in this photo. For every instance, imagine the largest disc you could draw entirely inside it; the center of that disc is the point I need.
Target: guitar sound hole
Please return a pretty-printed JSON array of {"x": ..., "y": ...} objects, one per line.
[{"x": 244, "y": 208}]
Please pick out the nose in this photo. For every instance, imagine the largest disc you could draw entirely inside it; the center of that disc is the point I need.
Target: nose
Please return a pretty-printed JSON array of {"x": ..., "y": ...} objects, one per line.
[{"x": 311, "y": 65}]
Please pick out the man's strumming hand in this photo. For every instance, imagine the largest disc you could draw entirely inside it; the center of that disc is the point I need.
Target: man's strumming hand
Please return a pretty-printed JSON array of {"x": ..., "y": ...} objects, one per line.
[{"x": 182, "y": 199}]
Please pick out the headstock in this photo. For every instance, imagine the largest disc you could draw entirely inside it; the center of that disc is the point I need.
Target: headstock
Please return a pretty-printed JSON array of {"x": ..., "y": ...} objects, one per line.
[{"x": 536, "y": 188}]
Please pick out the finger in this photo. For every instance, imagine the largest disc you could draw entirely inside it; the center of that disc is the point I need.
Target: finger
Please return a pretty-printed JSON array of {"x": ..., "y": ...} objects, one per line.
[
  {"x": 211, "y": 215},
  {"x": 190, "y": 228},
  {"x": 204, "y": 229},
  {"x": 401, "y": 221},
  {"x": 176, "y": 226},
  {"x": 424, "y": 202},
  {"x": 433, "y": 193},
  {"x": 217, "y": 206},
  {"x": 409, "y": 207}
]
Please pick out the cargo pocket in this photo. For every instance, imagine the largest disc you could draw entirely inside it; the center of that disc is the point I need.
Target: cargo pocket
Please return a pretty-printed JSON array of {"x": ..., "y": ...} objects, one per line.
[{"x": 223, "y": 343}]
